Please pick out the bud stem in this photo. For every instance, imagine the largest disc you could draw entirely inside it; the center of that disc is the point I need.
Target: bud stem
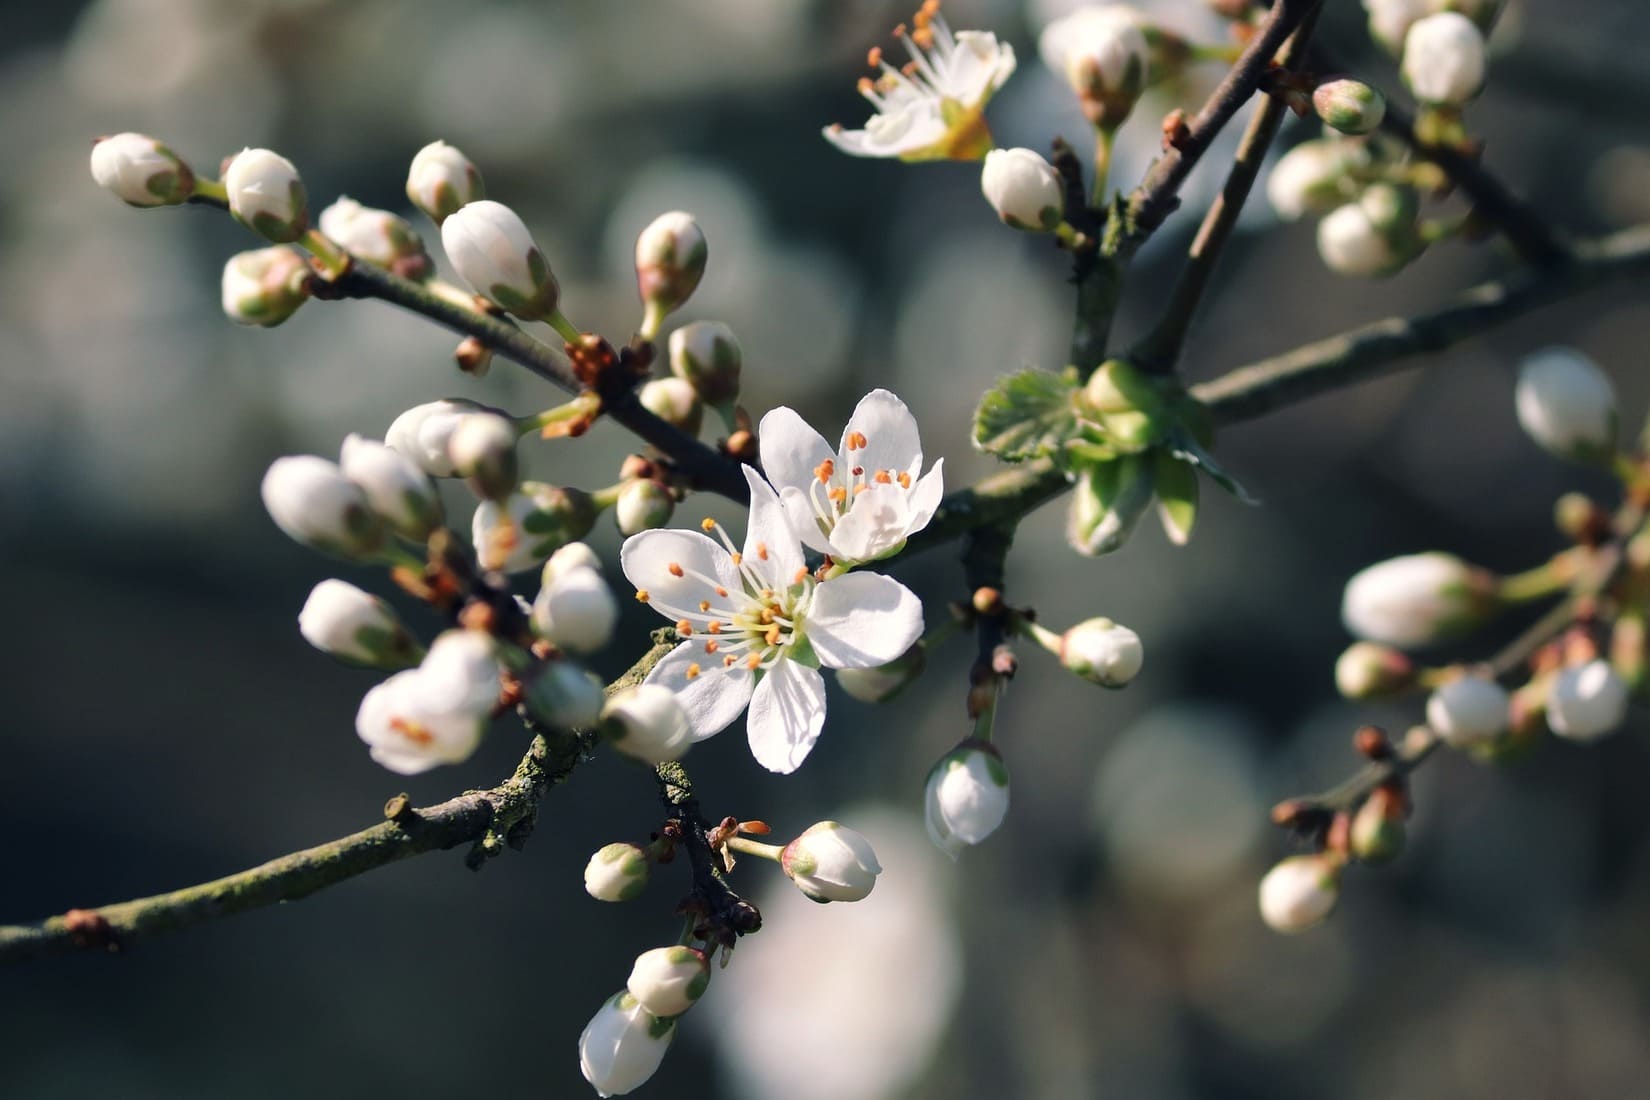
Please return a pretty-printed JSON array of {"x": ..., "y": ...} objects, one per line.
[
  {"x": 210, "y": 191},
  {"x": 584, "y": 406},
  {"x": 1103, "y": 136},
  {"x": 755, "y": 848},
  {"x": 653, "y": 318},
  {"x": 1073, "y": 239},
  {"x": 606, "y": 498},
  {"x": 566, "y": 329},
  {"x": 987, "y": 718},
  {"x": 1225, "y": 54},
  {"x": 1547, "y": 579},
  {"x": 1041, "y": 634},
  {"x": 334, "y": 260}
]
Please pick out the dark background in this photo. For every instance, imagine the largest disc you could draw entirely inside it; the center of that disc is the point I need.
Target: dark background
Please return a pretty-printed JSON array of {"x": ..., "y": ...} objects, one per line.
[{"x": 166, "y": 724}]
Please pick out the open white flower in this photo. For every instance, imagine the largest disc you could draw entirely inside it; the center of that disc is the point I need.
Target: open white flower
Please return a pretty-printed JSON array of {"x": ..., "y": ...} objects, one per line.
[
  {"x": 436, "y": 713},
  {"x": 932, "y": 108},
  {"x": 758, "y": 626},
  {"x": 862, "y": 500}
]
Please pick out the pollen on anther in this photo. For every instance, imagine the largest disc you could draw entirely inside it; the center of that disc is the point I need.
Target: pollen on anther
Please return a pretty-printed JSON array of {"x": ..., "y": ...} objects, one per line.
[
  {"x": 801, "y": 575},
  {"x": 766, "y": 615},
  {"x": 874, "y": 57},
  {"x": 772, "y": 636},
  {"x": 693, "y": 672},
  {"x": 642, "y": 595},
  {"x": 762, "y": 550},
  {"x": 713, "y": 627},
  {"x": 883, "y": 477},
  {"x": 704, "y": 605},
  {"x": 838, "y": 494},
  {"x": 904, "y": 480},
  {"x": 675, "y": 569},
  {"x": 722, "y": 592},
  {"x": 865, "y": 85},
  {"x": 753, "y": 661},
  {"x": 899, "y": 31},
  {"x": 707, "y": 524},
  {"x": 683, "y": 627},
  {"x": 856, "y": 441},
  {"x": 824, "y": 471},
  {"x": 712, "y": 646}
]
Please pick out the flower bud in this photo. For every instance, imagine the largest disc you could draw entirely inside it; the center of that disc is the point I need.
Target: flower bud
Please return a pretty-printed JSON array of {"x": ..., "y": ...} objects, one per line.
[
  {"x": 396, "y": 488},
  {"x": 1108, "y": 503},
  {"x": 1102, "y": 652},
  {"x": 1390, "y": 20},
  {"x": 1469, "y": 711},
  {"x": 1350, "y": 106},
  {"x": 670, "y": 259},
  {"x": 1368, "y": 670},
  {"x": 1587, "y": 702},
  {"x": 648, "y": 723},
  {"x": 880, "y": 684},
  {"x": 529, "y": 525},
  {"x": 441, "y": 179},
  {"x": 831, "y": 862},
  {"x": 1315, "y": 177},
  {"x": 675, "y": 401},
  {"x": 565, "y": 695},
  {"x": 1024, "y": 189},
  {"x": 423, "y": 431},
  {"x": 344, "y": 622},
  {"x": 576, "y": 611},
  {"x": 482, "y": 449},
  {"x": 1374, "y": 236},
  {"x": 460, "y": 673},
  {"x": 667, "y": 980},
  {"x": 265, "y": 286},
  {"x": 1417, "y": 599},
  {"x": 617, "y": 872},
  {"x": 266, "y": 195},
  {"x": 436, "y": 713},
  {"x": 622, "y": 1046},
  {"x": 1567, "y": 404},
  {"x": 967, "y": 796},
  {"x": 1444, "y": 59},
  {"x": 1104, "y": 56},
  {"x": 139, "y": 170},
  {"x": 1300, "y": 892},
  {"x": 643, "y": 504},
  {"x": 706, "y": 356},
  {"x": 314, "y": 503},
  {"x": 575, "y": 555},
  {"x": 492, "y": 250},
  {"x": 1378, "y": 833},
  {"x": 376, "y": 236}
]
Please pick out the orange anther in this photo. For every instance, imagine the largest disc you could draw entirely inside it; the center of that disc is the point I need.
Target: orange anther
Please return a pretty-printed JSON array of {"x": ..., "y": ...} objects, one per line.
[
  {"x": 801, "y": 575},
  {"x": 675, "y": 569},
  {"x": 753, "y": 662},
  {"x": 712, "y": 646},
  {"x": 693, "y": 672},
  {"x": 904, "y": 480},
  {"x": 772, "y": 636},
  {"x": 713, "y": 627},
  {"x": 729, "y": 661},
  {"x": 707, "y": 524},
  {"x": 412, "y": 731},
  {"x": 704, "y": 605},
  {"x": 824, "y": 470},
  {"x": 865, "y": 85},
  {"x": 642, "y": 595},
  {"x": 737, "y": 557},
  {"x": 762, "y": 550},
  {"x": 874, "y": 57},
  {"x": 838, "y": 494},
  {"x": 856, "y": 441},
  {"x": 722, "y": 592},
  {"x": 683, "y": 627},
  {"x": 883, "y": 477}
]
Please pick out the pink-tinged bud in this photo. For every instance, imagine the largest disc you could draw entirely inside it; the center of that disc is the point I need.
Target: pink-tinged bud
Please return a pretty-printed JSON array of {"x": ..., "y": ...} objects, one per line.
[
  {"x": 265, "y": 286},
  {"x": 617, "y": 872},
  {"x": 140, "y": 171},
  {"x": 831, "y": 862},
  {"x": 267, "y": 195},
  {"x": 441, "y": 179},
  {"x": 378, "y": 237},
  {"x": 1300, "y": 892},
  {"x": 493, "y": 251},
  {"x": 667, "y": 980},
  {"x": 1368, "y": 670},
  {"x": 1350, "y": 106}
]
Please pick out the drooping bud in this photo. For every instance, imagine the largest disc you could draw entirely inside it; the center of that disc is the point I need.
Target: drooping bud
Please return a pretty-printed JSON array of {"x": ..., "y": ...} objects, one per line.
[
  {"x": 441, "y": 179},
  {"x": 314, "y": 503},
  {"x": 565, "y": 695},
  {"x": 675, "y": 401},
  {"x": 1444, "y": 59},
  {"x": 880, "y": 684},
  {"x": 1104, "y": 56},
  {"x": 266, "y": 195},
  {"x": 377, "y": 236},
  {"x": 643, "y": 504},
  {"x": 1378, "y": 833},
  {"x": 140, "y": 171},
  {"x": 1024, "y": 189},
  {"x": 490, "y": 247},
  {"x": 623, "y": 1045},
  {"x": 831, "y": 862},
  {"x": 1368, "y": 670},
  {"x": 1417, "y": 599},
  {"x": 1299, "y": 892},
  {"x": 575, "y": 611},
  {"x": 265, "y": 286},
  {"x": 396, "y": 488},
  {"x": 1472, "y": 710},
  {"x": 670, "y": 260},
  {"x": 482, "y": 449},
  {"x": 706, "y": 356},
  {"x": 1102, "y": 652},
  {"x": 344, "y": 622},
  {"x": 529, "y": 525},
  {"x": 967, "y": 796},
  {"x": 423, "y": 431},
  {"x": 647, "y": 722},
  {"x": 667, "y": 980},
  {"x": 1350, "y": 106},
  {"x": 617, "y": 872},
  {"x": 1567, "y": 404},
  {"x": 1315, "y": 177},
  {"x": 1587, "y": 702},
  {"x": 1109, "y": 500}
]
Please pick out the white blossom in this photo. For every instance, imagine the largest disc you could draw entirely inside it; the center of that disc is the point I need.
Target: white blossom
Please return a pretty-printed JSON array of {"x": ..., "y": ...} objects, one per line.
[
  {"x": 967, "y": 796},
  {"x": 1587, "y": 701},
  {"x": 616, "y": 872},
  {"x": 1299, "y": 892},
  {"x": 423, "y": 432},
  {"x": 342, "y": 621},
  {"x": 831, "y": 862},
  {"x": 264, "y": 286},
  {"x": 1567, "y": 404},
  {"x": 575, "y": 555},
  {"x": 1416, "y": 599},
  {"x": 622, "y": 1046},
  {"x": 1103, "y": 54},
  {"x": 436, "y": 713},
  {"x": 267, "y": 195},
  {"x": 1390, "y": 20},
  {"x": 759, "y": 626},
  {"x": 1470, "y": 711},
  {"x": 1024, "y": 189},
  {"x": 395, "y": 487},
  {"x": 139, "y": 170},
  {"x": 576, "y": 611},
  {"x": 1350, "y": 243},
  {"x": 667, "y": 980},
  {"x": 1444, "y": 59},
  {"x": 648, "y": 723},
  {"x": 490, "y": 247},
  {"x": 314, "y": 503},
  {"x": 529, "y": 525},
  {"x": 441, "y": 179},
  {"x": 1101, "y": 651}
]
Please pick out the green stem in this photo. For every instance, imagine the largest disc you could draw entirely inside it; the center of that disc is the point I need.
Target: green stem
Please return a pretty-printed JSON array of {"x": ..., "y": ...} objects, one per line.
[
  {"x": 583, "y": 406},
  {"x": 606, "y": 498},
  {"x": 1104, "y": 139},
  {"x": 334, "y": 260},
  {"x": 211, "y": 192},
  {"x": 986, "y": 721},
  {"x": 566, "y": 329},
  {"x": 1547, "y": 579},
  {"x": 750, "y": 847}
]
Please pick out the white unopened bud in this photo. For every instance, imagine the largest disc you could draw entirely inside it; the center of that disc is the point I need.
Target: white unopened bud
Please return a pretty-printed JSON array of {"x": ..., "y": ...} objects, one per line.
[
  {"x": 667, "y": 980},
  {"x": 1350, "y": 106},
  {"x": 482, "y": 449},
  {"x": 265, "y": 286},
  {"x": 1469, "y": 711},
  {"x": 461, "y": 672},
  {"x": 1373, "y": 236},
  {"x": 648, "y": 723},
  {"x": 1102, "y": 652},
  {"x": 617, "y": 872},
  {"x": 396, "y": 488},
  {"x": 882, "y": 683},
  {"x": 139, "y": 170},
  {"x": 575, "y": 555},
  {"x": 622, "y": 1046},
  {"x": 1315, "y": 177},
  {"x": 643, "y": 504},
  {"x": 1390, "y": 20},
  {"x": 492, "y": 250},
  {"x": 707, "y": 357},
  {"x": 675, "y": 401},
  {"x": 266, "y": 195},
  {"x": 1300, "y": 892},
  {"x": 566, "y": 695},
  {"x": 1417, "y": 599},
  {"x": 967, "y": 796},
  {"x": 1104, "y": 56},
  {"x": 379, "y": 237},
  {"x": 1567, "y": 404},
  {"x": 1444, "y": 59},
  {"x": 314, "y": 503},
  {"x": 1587, "y": 702},
  {"x": 576, "y": 611},
  {"x": 529, "y": 525},
  {"x": 344, "y": 622},
  {"x": 1368, "y": 670},
  {"x": 831, "y": 862},
  {"x": 670, "y": 260},
  {"x": 423, "y": 431},
  {"x": 1024, "y": 189},
  {"x": 441, "y": 179}
]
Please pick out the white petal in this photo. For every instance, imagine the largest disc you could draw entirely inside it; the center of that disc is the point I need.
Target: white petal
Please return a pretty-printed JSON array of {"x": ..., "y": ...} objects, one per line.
[
  {"x": 713, "y": 698},
  {"x": 647, "y": 559},
  {"x": 874, "y": 526},
  {"x": 925, "y": 498},
  {"x": 790, "y": 448},
  {"x": 771, "y": 546},
  {"x": 804, "y": 520},
  {"x": 862, "y": 620},
  {"x": 787, "y": 713},
  {"x": 890, "y": 433}
]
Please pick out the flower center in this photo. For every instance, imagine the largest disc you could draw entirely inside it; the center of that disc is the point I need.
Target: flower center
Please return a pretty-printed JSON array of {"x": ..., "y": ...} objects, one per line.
[{"x": 832, "y": 492}]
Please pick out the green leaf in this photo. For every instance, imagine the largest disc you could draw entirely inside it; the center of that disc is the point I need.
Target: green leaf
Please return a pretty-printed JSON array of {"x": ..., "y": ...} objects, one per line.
[
  {"x": 1027, "y": 415},
  {"x": 1182, "y": 446}
]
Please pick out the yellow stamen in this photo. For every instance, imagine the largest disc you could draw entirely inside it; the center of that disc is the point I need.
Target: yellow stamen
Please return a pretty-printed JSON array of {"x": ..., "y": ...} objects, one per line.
[
  {"x": 707, "y": 525},
  {"x": 693, "y": 672},
  {"x": 642, "y": 595},
  {"x": 753, "y": 662},
  {"x": 838, "y": 494},
  {"x": 675, "y": 569},
  {"x": 738, "y": 558},
  {"x": 904, "y": 481},
  {"x": 856, "y": 441}
]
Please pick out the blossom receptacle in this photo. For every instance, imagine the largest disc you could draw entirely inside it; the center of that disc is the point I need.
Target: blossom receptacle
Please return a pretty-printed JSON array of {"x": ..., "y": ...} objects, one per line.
[
  {"x": 314, "y": 503},
  {"x": 967, "y": 796},
  {"x": 1024, "y": 189},
  {"x": 831, "y": 862},
  {"x": 1300, "y": 892},
  {"x": 492, "y": 250},
  {"x": 441, "y": 179},
  {"x": 345, "y": 622},
  {"x": 267, "y": 195},
  {"x": 1567, "y": 404},
  {"x": 265, "y": 286},
  {"x": 1417, "y": 599},
  {"x": 666, "y": 981},
  {"x": 622, "y": 1045},
  {"x": 141, "y": 171},
  {"x": 616, "y": 872},
  {"x": 398, "y": 491},
  {"x": 529, "y": 525}
]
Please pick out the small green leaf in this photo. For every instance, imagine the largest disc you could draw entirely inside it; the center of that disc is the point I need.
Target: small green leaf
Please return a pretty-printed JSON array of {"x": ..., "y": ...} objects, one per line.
[
  {"x": 1182, "y": 446},
  {"x": 1027, "y": 415},
  {"x": 1176, "y": 485}
]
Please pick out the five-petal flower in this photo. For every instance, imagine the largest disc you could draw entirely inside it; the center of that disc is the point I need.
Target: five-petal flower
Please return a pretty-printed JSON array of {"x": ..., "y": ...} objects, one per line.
[{"x": 757, "y": 626}]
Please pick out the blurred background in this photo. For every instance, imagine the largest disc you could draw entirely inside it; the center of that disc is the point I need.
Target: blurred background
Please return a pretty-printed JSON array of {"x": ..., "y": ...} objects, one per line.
[{"x": 166, "y": 723}]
